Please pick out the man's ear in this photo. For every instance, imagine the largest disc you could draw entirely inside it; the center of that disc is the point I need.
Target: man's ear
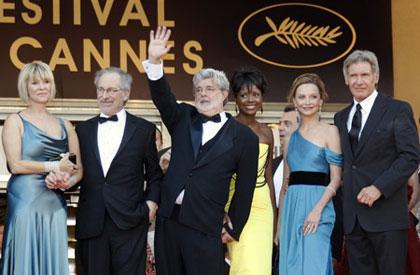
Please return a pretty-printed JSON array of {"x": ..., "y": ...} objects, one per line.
[
  {"x": 126, "y": 95},
  {"x": 225, "y": 94},
  {"x": 225, "y": 97}
]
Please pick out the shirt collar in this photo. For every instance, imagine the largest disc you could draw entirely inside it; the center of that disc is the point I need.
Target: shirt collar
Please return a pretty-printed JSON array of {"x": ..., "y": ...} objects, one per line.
[
  {"x": 368, "y": 102},
  {"x": 223, "y": 116}
]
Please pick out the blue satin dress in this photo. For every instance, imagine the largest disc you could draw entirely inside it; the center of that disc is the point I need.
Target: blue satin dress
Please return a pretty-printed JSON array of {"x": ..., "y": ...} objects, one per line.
[
  {"x": 35, "y": 236},
  {"x": 311, "y": 254}
]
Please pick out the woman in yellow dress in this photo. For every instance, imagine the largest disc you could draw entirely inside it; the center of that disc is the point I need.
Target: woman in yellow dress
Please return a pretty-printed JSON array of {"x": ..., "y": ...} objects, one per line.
[{"x": 251, "y": 255}]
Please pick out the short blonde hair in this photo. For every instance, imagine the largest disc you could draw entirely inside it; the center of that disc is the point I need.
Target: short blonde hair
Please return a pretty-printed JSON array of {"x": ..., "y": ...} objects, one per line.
[{"x": 33, "y": 70}]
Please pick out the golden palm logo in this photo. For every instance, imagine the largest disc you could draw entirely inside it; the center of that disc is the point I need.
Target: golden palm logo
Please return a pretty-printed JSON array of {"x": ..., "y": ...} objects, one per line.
[{"x": 295, "y": 34}]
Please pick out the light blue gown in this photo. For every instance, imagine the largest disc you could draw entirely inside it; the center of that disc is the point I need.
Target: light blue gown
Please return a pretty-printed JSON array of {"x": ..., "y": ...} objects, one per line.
[
  {"x": 311, "y": 254},
  {"x": 35, "y": 236}
]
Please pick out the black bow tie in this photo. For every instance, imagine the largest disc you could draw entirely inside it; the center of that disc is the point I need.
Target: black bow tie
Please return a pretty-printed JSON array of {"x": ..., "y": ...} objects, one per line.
[
  {"x": 105, "y": 119},
  {"x": 216, "y": 118}
]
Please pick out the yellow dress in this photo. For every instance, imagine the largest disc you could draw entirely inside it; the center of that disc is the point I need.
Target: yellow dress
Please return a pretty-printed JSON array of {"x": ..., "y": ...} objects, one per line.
[{"x": 252, "y": 254}]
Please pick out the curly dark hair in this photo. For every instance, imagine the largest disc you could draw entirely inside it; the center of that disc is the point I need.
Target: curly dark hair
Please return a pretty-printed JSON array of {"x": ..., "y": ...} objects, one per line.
[{"x": 247, "y": 77}]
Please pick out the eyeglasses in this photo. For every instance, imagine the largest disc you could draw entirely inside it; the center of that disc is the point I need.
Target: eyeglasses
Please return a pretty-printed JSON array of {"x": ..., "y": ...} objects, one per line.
[
  {"x": 112, "y": 91},
  {"x": 207, "y": 89}
]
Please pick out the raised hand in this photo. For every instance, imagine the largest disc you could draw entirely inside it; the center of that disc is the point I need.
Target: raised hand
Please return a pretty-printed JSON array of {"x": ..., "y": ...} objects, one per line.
[{"x": 158, "y": 45}]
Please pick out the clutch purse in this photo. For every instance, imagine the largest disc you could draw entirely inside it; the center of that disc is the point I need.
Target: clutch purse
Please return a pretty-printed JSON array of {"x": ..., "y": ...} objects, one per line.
[{"x": 72, "y": 158}]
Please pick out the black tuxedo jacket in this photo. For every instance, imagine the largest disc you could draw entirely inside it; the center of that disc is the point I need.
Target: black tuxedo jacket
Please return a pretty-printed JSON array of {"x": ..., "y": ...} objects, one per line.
[
  {"x": 387, "y": 154},
  {"x": 206, "y": 180},
  {"x": 121, "y": 193}
]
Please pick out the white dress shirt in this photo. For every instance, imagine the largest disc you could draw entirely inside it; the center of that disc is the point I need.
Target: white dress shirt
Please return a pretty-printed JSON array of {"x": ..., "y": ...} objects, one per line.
[
  {"x": 366, "y": 105},
  {"x": 278, "y": 181},
  {"x": 211, "y": 128},
  {"x": 110, "y": 135}
]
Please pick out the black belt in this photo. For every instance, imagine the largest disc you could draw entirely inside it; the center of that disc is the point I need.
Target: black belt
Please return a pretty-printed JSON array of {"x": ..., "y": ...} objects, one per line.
[{"x": 309, "y": 178}]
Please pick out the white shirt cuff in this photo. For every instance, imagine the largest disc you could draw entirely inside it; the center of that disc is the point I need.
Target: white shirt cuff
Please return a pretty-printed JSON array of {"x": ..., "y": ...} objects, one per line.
[{"x": 153, "y": 71}]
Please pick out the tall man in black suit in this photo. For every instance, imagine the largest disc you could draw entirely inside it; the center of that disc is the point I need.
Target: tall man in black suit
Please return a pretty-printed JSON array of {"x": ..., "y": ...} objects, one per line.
[
  {"x": 208, "y": 147},
  {"x": 119, "y": 154},
  {"x": 380, "y": 146}
]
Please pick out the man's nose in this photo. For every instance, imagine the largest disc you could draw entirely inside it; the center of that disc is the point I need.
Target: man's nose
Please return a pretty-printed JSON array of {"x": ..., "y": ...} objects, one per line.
[
  {"x": 281, "y": 126},
  {"x": 359, "y": 80},
  {"x": 105, "y": 94}
]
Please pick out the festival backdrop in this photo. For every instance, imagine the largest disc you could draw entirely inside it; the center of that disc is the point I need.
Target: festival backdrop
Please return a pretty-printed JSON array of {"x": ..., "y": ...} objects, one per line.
[{"x": 281, "y": 38}]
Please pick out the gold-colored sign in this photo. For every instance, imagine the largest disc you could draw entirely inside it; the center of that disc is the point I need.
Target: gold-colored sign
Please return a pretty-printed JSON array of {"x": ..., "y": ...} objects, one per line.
[{"x": 302, "y": 35}]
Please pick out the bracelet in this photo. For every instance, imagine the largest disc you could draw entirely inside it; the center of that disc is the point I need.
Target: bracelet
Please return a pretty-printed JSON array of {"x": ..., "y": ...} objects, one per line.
[
  {"x": 50, "y": 166},
  {"x": 72, "y": 181},
  {"x": 331, "y": 189}
]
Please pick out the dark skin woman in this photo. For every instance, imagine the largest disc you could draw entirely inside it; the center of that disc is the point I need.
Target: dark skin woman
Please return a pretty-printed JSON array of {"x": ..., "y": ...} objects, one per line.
[{"x": 253, "y": 252}]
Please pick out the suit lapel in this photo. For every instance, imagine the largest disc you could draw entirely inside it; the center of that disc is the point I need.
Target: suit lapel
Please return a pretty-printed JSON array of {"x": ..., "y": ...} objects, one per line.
[
  {"x": 344, "y": 135},
  {"x": 276, "y": 163},
  {"x": 196, "y": 132},
  {"x": 223, "y": 144},
  {"x": 94, "y": 139},
  {"x": 129, "y": 129},
  {"x": 375, "y": 116}
]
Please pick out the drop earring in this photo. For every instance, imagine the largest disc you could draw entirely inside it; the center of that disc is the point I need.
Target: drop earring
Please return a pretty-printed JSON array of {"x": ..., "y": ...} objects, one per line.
[
  {"x": 261, "y": 109},
  {"x": 320, "y": 112},
  {"x": 236, "y": 109}
]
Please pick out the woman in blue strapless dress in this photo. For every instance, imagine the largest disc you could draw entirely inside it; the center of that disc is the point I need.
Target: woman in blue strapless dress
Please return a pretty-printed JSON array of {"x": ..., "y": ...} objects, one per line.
[
  {"x": 35, "y": 236},
  {"x": 312, "y": 177}
]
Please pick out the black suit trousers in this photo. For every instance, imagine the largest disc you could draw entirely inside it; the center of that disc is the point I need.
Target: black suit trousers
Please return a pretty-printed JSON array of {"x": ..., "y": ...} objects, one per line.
[
  {"x": 182, "y": 250},
  {"x": 114, "y": 252},
  {"x": 372, "y": 253}
]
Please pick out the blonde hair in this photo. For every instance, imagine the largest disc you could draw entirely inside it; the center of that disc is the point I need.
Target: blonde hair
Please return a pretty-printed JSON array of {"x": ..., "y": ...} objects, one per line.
[{"x": 34, "y": 70}]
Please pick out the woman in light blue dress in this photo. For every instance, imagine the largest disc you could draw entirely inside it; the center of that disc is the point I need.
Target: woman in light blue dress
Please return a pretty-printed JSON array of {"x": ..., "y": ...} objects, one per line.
[
  {"x": 312, "y": 177},
  {"x": 35, "y": 236}
]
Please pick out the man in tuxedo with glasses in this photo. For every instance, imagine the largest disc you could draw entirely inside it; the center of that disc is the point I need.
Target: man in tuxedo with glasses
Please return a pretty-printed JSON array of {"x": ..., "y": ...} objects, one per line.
[
  {"x": 115, "y": 207},
  {"x": 208, "y": 147}
]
